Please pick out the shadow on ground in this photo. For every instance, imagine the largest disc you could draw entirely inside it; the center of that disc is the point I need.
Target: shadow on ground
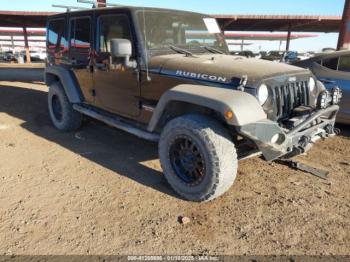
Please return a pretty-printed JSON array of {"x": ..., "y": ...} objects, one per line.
[
  {"x": 120, "y": 152},
  {"x": 22, "y": 74},
  {"x": 344, "y": 130}
]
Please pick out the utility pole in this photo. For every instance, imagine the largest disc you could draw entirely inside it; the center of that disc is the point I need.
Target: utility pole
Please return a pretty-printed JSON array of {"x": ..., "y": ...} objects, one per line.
[
  {"x": 288, "y": 37},
  {"x": 26, "y": 44},
  {"x": 101, "y": 3},
  {"x": 344, "y": 34}
]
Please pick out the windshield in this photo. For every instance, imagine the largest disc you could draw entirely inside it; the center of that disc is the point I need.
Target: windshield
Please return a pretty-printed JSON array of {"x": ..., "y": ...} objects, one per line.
[{"x": 193, "y": 32}]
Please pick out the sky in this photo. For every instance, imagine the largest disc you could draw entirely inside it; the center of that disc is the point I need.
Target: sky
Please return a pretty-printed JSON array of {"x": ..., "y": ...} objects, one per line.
[
  {"x": 267, "y": 7},
  {"x": 296, "y": 7}
]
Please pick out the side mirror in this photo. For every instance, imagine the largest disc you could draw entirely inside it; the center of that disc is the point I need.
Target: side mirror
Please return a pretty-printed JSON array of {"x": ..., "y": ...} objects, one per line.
[{"x": 122, "y": 48}]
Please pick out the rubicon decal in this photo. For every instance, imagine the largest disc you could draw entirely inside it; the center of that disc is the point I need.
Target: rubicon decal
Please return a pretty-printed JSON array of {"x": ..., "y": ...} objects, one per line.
[{"x": 201, "y": 76}]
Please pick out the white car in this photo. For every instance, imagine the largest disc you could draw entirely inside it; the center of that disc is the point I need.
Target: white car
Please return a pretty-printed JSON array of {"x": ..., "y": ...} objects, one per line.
[
  {"x": 35, "y": 55},
  {"x": 38, "y": 54}
]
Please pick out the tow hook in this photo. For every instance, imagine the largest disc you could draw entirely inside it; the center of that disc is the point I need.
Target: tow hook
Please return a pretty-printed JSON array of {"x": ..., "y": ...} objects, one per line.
[
  {"x": 331, "y": 130},
  {"x": 304, "y": 145},
  {"x": 304, "y": 141},
  {"x": 337, "y": 131}
]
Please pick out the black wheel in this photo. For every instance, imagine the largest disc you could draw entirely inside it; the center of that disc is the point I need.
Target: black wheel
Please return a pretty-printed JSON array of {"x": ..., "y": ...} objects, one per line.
[
  {"x": 56, "y": 108},
  {"x": 198, "y": 157},
  {"x": 62, "y": 114},
  {"x": 187, "y": 160}
]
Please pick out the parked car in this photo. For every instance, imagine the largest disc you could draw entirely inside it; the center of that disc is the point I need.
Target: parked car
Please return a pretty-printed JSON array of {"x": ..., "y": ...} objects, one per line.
[
  {"x": 290, "y": 57},
  {"x": 35, "y": 56},
  {"x": 333, "y": 69},
  {"x": 38, "y": 55},
  {"x": 281, "y": 56},
  {"x": 262, "y": 53},
  {"x": 306, "y": 55},
  {"x": 137, "y": 69},
  {"x": 9, "y": 56},
  {"x": 328, "y": 50},
  {"x": 273, "y": 56},
  {"x": 2, "y": 56},
  {"x": 246, "y": 53}
]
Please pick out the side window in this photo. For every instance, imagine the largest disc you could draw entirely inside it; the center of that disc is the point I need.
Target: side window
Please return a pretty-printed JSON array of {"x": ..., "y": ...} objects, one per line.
[
  {"x": 331, "y": 63},
  {"x": 56, "y": 39},
  {"x": 80, "y": 40},
  {"x": 344, "y": 64},
  {"x": 113, "y": 26}
]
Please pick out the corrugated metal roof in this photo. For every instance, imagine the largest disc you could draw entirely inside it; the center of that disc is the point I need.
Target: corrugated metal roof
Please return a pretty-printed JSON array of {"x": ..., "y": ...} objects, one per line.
[
  {"x": 23, "y": 18},
  {"x": 272, "y": 23},
  {"x": 26, "y": 13},
  {"x": 227, "y": 22}
]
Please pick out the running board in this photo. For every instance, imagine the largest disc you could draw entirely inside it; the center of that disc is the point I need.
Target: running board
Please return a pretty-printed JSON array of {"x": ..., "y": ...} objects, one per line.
[{"x": 118, "y": 123}]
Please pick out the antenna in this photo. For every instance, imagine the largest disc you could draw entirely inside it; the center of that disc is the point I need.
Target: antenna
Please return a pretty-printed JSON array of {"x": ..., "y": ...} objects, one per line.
[{"x": 69, "y": 8}]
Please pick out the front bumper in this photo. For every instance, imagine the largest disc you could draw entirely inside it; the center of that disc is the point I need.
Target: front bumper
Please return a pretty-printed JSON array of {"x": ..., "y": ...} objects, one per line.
[{"x": 275, "y": 142}]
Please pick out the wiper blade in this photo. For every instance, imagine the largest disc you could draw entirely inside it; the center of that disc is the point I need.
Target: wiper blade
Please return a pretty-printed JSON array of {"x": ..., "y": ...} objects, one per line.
[
  {"x": 180, "y": 50},
  {"x": 213, "y": 50}
]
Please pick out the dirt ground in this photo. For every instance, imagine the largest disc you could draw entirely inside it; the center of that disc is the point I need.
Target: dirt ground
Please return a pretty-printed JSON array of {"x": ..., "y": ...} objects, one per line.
[{"x": 101, "y": 191}]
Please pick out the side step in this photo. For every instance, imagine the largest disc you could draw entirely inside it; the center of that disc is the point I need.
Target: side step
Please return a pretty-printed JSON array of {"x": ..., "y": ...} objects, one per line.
[{"x": 118, "y": 123}]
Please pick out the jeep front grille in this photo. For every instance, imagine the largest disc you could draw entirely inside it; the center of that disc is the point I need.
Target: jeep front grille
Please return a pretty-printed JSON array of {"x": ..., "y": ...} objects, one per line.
[{"x": 290, "y": 96}]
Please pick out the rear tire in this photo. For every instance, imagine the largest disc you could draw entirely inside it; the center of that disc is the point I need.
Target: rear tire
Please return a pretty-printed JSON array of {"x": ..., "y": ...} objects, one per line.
[
  {"x": 62, "y": 114},
  {"x": 198, "y": 157}
]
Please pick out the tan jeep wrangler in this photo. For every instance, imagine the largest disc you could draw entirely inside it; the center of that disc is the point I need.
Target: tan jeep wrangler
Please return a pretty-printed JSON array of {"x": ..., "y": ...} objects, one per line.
[{"x": 167, "y": 76}]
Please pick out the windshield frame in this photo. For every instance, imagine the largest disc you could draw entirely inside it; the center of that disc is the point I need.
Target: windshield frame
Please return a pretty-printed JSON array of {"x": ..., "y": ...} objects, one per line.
[{"x": 164, "y": 50}]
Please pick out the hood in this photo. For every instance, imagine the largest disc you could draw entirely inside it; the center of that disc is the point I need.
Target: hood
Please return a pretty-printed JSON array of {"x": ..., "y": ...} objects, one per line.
[{"x": 221, "y": 68}]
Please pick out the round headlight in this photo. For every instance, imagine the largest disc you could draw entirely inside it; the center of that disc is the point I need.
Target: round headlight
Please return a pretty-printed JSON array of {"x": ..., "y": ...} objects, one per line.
[
  {"x": 312, "y": 84},
  {"x": 263, "y": 94}
]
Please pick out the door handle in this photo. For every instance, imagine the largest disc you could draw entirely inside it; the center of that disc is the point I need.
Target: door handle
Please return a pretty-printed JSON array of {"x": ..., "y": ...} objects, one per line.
[{"x": 74, "y": 61}]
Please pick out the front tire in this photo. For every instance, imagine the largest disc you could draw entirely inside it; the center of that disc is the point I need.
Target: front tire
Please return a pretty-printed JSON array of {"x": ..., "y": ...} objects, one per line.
[
  {"x": 62, "y": 114},
  {"x": 198, "y": 157}
]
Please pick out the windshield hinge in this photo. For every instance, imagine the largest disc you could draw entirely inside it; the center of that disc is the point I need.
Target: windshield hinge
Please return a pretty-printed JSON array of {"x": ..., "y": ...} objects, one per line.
[{"x": 243, "y": 83}]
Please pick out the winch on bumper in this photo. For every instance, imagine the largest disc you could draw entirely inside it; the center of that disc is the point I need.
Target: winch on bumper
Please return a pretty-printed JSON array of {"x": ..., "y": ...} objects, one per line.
[{"x": 274, "y": 141}]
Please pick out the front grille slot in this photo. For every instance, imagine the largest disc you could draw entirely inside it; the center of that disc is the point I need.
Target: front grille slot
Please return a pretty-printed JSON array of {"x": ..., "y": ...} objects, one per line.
[{"x": 289, "y": 96}]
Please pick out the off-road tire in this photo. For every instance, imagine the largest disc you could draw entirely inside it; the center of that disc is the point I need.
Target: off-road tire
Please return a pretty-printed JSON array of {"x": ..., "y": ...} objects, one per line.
[
  {"x": 218, "y": 151},
  {"x": 70, "y": 119}
]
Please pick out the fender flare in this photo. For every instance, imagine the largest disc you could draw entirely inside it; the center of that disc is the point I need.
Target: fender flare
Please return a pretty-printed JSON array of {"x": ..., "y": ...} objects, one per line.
[
  {"x": 245, "y": 107},
  {"x": 70, "y": 85}
]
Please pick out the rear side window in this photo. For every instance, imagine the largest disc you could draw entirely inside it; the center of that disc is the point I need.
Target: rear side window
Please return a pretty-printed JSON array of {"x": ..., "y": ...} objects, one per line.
[
  {"x": 331, "y": 63},
  {"x": 56, "y": 35},
  {"x": 80, "y": 33},
  {"x": 344, "y": 64}
]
